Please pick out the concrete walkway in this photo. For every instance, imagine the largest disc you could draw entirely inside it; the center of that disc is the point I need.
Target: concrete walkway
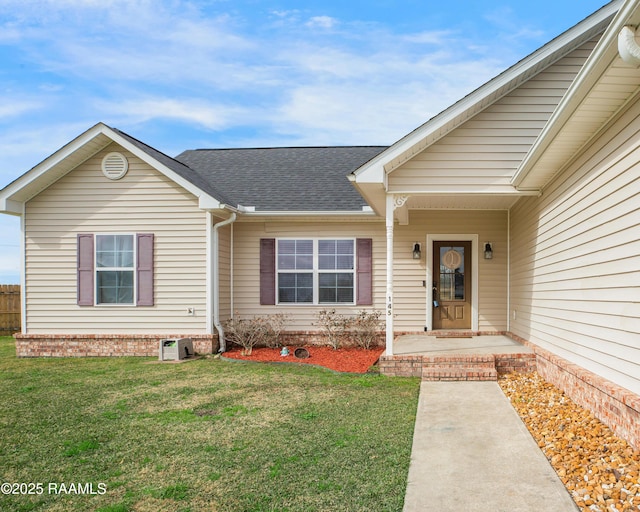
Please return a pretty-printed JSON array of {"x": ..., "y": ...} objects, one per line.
[{"x": 471, "y": 452}]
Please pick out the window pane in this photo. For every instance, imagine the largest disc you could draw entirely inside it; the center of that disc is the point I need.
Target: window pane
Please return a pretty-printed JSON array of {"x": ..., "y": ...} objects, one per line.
[
  {"x": 286, "y": 261},
  {"x": 287, "y": 246},
  {"x": 105, "y": 259},
  {"x": 115, "y": 287},
  {"x": 305, "y": 295},
  {"x": 295, "y": 254},
  {"x": 326, "y": 262},
  {"x": 114, "y": 251},
  {"x": 304, "y": 261},
  {"x": 295, "y": 288},
  {"x": 286, "y": 294},
  {"x": 344, "y": 295},
  {"x": 105, "y": 243},
  {"x": 344, "y": 247},
  {"x": 452, "y": 273},
  {"x": 335, "y": 254},
  {"x": 327, "y": 280},
  {"x": 326, "y": 246},
  {"x": 344, "y": 262},
  {"x": 335, "y": 288},
  {"x": 124, "y": 250},
  {"x": 344, "y": 280},
  {"x": 327, "y": 295}
]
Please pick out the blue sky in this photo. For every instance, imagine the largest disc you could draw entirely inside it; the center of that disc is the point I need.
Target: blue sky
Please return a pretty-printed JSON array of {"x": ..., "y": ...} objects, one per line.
[{"x": 215, "y": 73}]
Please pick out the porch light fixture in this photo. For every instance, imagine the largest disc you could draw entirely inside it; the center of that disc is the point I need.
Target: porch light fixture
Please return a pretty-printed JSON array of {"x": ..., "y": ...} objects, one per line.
[
  {"x": 417, "y": 254},
  {"x": 488, "y": 251}
]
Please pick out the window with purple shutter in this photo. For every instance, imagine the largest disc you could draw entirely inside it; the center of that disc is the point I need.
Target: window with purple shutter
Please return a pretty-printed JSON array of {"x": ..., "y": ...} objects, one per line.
[
  {"x": 106, "y": 269},
  {"x": 295, "y": 278}
]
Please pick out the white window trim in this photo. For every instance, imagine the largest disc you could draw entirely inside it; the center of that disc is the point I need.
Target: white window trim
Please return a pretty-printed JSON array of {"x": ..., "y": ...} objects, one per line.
[
  {"x": 316, "y": 271},
  {"x": 96, "y": 302}
]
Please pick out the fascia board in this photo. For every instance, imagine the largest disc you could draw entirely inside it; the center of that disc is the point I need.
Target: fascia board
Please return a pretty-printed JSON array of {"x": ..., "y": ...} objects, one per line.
[
  {"x": 313, "y": 214},
  {"x": 600, "y": 59}
]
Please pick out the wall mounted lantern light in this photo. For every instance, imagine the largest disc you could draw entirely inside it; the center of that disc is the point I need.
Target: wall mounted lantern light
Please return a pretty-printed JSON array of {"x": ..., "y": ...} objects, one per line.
[
  {"x": 488, "y": 251},
  {"x": 416, "y": 251}
]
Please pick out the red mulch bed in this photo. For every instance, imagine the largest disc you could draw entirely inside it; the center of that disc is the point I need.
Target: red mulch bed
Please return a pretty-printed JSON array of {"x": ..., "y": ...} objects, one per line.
[{"x": 350, "y": 360}]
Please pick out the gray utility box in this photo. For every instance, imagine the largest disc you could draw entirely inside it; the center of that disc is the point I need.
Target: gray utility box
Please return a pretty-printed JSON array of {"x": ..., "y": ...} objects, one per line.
[{"x": 174, "y": 349}]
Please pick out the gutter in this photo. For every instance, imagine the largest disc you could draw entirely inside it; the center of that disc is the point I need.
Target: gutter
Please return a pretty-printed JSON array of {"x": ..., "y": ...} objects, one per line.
[{"x": 216, "y": 280}]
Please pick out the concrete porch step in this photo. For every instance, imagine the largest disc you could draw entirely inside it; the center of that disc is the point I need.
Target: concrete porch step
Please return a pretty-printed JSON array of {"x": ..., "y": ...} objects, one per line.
[{"x": 459, "y": 368}]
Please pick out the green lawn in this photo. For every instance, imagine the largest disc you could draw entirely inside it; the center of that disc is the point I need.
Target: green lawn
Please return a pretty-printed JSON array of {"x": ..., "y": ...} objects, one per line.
[{"x": 202, "y": 435}]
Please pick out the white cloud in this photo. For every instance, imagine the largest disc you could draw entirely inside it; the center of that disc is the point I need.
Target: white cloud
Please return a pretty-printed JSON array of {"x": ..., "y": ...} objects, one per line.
[
  {"x": 12, "y": 107},
  {"x": 208, "y": 115},
  {"x": 437, "y": 37},
  {"x": 323, "y": 22},
  {"x": 141, "y": 61}
]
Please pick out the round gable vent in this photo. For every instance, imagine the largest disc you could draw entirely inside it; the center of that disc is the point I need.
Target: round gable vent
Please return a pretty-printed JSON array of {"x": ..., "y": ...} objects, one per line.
[{"x": 114, "y": 166}]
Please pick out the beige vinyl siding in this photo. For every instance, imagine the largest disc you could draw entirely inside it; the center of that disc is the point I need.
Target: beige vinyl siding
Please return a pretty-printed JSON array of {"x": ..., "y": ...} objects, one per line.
[
  {"x": 410, "y": 294},
  {"x": 144, "y": 201},
  {"x": 246, "y": 284},
  {"x": 483, "y": 154},
  {"x": 576, "y": 259}
]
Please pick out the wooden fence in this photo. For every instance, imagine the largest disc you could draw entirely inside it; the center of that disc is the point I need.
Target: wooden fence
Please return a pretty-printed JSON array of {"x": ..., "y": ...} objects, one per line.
[{"x": 9, "y": 309}]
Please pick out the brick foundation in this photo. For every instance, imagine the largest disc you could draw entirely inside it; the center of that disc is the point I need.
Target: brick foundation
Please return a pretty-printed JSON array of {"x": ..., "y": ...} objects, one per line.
[
  {"x": 456, "y": 367},
  {"x": 104, "y": 345},
  {"x": 318, "y": 338}
]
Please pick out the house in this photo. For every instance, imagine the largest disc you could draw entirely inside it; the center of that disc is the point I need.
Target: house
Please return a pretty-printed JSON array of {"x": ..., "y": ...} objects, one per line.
[{"x": 513, "y": 211}]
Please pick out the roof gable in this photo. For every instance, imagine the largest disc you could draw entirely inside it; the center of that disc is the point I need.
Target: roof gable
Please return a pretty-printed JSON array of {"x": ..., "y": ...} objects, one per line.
[
  {"x": 451, "y": 118},
  {"x": 67, "y": 158}
]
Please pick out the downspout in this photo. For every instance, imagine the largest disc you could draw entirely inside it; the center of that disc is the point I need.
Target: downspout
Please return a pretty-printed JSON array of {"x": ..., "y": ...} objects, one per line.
[
  {"x": 628, "y": 48},
  {"x": 23, "y": 269},
  {"x": 216, "y": 280}
]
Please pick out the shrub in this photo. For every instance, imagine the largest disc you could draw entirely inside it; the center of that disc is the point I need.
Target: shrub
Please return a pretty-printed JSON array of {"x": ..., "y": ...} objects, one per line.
[
  {"x": 334, "y": 324},
  {"x": 364, "y": 328},
  {"x": 259, "y": 330},
  {"x": 274, "y": 326}
]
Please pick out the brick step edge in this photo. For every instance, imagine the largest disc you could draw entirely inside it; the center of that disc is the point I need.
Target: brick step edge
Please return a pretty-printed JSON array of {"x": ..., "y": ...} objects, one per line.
[
  {"x": 440, "y": 365},
  {"x": 459, "y": 374}
]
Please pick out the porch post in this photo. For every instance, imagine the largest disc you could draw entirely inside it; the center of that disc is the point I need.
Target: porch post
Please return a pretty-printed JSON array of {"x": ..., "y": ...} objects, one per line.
[{"x": 389, "y": 315}]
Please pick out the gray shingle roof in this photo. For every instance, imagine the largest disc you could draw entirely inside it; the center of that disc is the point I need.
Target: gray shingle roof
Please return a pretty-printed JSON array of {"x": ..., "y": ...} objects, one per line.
[{"x": 283, "y": 179}]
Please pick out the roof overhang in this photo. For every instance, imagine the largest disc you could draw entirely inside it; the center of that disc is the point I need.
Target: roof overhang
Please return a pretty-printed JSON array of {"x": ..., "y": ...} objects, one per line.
[
  {"x": 16, "y": 194},
  {"x": 602, "y": 89}
]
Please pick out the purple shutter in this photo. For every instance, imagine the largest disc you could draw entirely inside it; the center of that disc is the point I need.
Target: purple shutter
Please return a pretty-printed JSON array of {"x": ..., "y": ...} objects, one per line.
[
  {"x": 86, "y": 289},
  {"x": 364, "y": 275},
  {"x": 267, "y": 271},
  {"x": 144, "y": 269}
]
